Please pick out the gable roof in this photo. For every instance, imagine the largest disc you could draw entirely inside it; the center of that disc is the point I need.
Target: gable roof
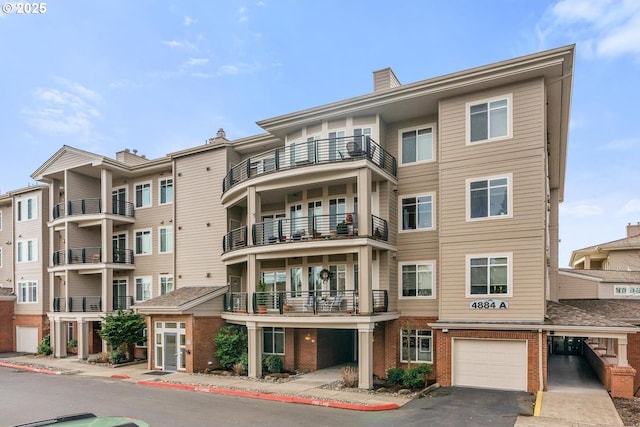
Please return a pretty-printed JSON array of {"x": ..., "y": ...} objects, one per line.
[
  {"x": 180, "y": 300},
  {"x": 568, "y": 315},
  {"x": 610, "y": 276},
  {"x": 624, "y": 244}
]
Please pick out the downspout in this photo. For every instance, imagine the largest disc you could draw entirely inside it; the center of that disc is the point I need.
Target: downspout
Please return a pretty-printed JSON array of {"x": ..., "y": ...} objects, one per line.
[{"x": 540, "y": 352}]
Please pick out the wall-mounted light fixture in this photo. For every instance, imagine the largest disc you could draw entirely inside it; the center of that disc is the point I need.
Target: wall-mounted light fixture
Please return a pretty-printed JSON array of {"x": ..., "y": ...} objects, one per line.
[
  {"x": 308, "y": 337},
  {"x": 8, "y": 242}
]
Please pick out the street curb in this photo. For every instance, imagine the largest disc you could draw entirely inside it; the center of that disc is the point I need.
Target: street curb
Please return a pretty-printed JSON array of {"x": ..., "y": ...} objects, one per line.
[
  {"x": 272, "y": 397},
  {"x": 120, "y": 376},
  {"x": 30, "y": 368}
]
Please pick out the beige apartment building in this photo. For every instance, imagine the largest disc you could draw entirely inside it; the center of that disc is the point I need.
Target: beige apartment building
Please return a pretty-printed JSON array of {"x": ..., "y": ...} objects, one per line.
[{"x": 414, "y": 224}]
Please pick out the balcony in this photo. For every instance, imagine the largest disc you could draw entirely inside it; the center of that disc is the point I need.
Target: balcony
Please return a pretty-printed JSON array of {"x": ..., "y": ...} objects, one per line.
[
  {"x": 91, "y": 207},
  {"x": 304, "y": 303},
  {"x": 90, "y": 256},
  {"x": 124, "y": 302},
  {"x": 318, "y": 227},
  {"x": 322, "y": 151},
  {"x": 87, "y": 304}
]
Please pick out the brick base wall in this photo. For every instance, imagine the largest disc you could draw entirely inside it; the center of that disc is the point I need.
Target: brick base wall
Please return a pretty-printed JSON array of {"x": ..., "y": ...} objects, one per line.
[
  {"x": 6, "y": 326},
  {"x": 633, "y": 356},
  {"x": 31, "y": 320},
  {"x": 622, "y": 381},
  {"x": 443, "y": 347},
  {"x": 391, "y": 350}
]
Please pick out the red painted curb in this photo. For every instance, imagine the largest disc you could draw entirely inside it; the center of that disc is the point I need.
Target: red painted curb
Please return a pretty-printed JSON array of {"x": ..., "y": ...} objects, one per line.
[
  {"x": 30, "y": 368},
  {"x": 273, "y": 397},
  {"x": 121, "y": 376}
]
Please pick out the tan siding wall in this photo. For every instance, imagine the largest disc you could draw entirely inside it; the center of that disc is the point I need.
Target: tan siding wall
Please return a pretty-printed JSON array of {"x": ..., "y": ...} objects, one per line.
[
  {"x": 571, "y": 287},
  {"x": 79, "y": 186},
  {"x": 68, "y": 160},
  {"x": 82, "y": 285},
  {"x": 6, "y": 235},
  {"x": 212, "y": 307},
  {"x": 623, "y": 260},
  {"x": 200, "y": 218},
  {"x": 524, "y": 234}
]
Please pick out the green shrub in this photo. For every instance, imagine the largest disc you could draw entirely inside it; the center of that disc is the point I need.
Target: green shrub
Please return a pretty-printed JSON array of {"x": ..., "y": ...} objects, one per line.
[
  {"x": 231, "y": 345},
  {"x": 45, "y": 346},
  {"x": 394, "y": 375},
  {"x": 117, "y": 356},
  {"x": 72, "y": 344},
  {"x": 413, "y": 377},
  {"x": 244, "y": 359},
  {"x": 274, "y": 364},
  {"x": 424, "y": 369}
]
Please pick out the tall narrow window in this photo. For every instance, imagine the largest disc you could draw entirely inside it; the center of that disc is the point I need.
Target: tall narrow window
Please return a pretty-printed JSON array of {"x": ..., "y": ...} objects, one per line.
[
  {"x": 143, "y": 242},
  {"x": 337, "y": 209},
  {"x": 295, "y": 286},
  {"x": 166, "y": 284},
  {"x": 166, "y": 191},
  {"x": 143, "y": 195},
  {"x": 166, "y": 239},
  {"x": 143, "y": 288}
]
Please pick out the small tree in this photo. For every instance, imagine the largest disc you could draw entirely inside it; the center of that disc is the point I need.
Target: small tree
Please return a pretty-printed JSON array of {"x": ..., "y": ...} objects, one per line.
[
  {"x": 231, "y": 346},
  {"x": 122, "y": 331}
]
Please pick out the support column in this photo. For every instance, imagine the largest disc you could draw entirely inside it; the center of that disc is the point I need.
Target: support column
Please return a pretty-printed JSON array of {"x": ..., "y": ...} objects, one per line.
[
  {"x": 255, "y": 350},
  {"x": 365, "y": 282},
  {"x": 60, "y": 339},
  {"x": 365, "y": 356},
  {"x": 83, "y": 339},
  {"x": 622, "y": 352},
  {"x": 364, "y": 202},
  {"x": 253, "y": 212}
]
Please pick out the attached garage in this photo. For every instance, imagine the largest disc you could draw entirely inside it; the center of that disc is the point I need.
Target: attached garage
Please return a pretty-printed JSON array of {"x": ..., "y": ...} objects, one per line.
[
  {"x": 26, "y": 339},
  {"x": 485, "y": 363}
]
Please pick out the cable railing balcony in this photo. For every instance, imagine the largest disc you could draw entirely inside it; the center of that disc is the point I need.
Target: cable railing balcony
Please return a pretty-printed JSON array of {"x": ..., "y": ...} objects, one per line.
[
  {"x": 78, "y": 304},
  {"x": 320, "y": 151},
  {"x": 91, "y": 256},
  {"x": 234, "y": 239},
  {"x": 91, "y": 207},
  {"x": 122, "y": 302}
]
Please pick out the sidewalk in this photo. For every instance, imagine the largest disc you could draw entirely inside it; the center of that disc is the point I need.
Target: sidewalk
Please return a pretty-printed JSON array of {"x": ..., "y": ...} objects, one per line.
[{"x": 303, "y": 390}]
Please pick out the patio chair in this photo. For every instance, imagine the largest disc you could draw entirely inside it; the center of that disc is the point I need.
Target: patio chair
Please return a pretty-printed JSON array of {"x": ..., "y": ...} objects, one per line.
[
  {"x": 336, "y": 303},
  {"x": 310, "y": 303}
]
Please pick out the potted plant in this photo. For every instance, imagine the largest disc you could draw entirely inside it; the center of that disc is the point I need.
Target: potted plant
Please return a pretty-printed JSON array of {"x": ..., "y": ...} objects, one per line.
[
  {"x": 72, "y": 346},
  {"x": 261, "y": 298},
  {"x": 348, "y": 218},
  {"x": 377, "y": 234}
]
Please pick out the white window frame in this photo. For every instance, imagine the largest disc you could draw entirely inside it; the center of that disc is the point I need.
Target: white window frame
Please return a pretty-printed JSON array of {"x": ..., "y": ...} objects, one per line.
[
  {"x": 135, "y": 194},
  {"x": 509, "y": 214},
  {"x": 400, "y": 212},
  {"x": 431, "y": 126},
  {"x": 165, "y": 278},
  {"x": 419, "y": 335},
  {"x": 22, "y": 251},
  {"x": 160, "y": 186},
  {"x": 169, "y": 241},
  {"x": 22, "y": 209},
  {"x": 273, "y": 331},
  {"x": 135, "y": 241},
  {"x": 508, "y": 294},
  {"x": 135, "y": 285},
  {"x": 1, "y": 264},
  {"x": 509, "y": 98},
  {"x": 429, "y": 263},
  {"x": 30, "y": 286}
]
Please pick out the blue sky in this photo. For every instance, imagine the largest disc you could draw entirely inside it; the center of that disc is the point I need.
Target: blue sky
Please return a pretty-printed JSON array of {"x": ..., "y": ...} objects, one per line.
[{"x": 160, "y": 76}]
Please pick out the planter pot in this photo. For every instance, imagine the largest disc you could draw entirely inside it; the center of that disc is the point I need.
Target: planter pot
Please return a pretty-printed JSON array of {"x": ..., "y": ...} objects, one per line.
[
  {"x": 262, "y": 309},
  {"x": 286, "y": 307}
]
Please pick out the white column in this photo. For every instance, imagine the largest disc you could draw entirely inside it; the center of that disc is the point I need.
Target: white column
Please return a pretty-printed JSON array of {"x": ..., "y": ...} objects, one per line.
[
  {"x": 365, "y": 303},
  {"x": 365, "y": 356},
  {"x": 60, "y": 339},
  {"x": 364, "y": 202},
  {"x": 255, "y": 350},
  {"x": 622, "y": 352},
  {"x": 83, "y": 339}
]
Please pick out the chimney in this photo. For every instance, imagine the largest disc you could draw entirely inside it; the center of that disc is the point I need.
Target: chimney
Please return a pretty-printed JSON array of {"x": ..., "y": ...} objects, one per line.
[
  {"x": 633, "y": 229},
  {"x": 384, "y": 79}
]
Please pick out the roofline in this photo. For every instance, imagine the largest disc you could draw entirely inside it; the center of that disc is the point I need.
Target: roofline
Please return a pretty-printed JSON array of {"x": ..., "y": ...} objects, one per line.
[
  {"x": 164, "y": 309},
  {"x": 580, "y": 275},
  {"x": 538, "y": 327}
]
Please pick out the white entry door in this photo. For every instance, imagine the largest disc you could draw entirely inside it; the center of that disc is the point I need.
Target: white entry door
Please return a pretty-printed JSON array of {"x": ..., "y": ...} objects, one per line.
[
  {"x": 495, "y": 364},
  {"x": 26, "y": 339}
]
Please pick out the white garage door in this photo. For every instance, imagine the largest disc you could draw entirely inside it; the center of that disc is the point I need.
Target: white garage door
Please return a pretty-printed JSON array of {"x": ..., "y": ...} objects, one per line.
[
  {"x": 498, "y": 364},
  {"x": 26, "y": 339}
]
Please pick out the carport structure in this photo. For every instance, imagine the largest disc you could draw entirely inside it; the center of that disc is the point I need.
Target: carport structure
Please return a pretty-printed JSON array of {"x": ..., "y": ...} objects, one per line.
[{"x": 605, "y": 345}]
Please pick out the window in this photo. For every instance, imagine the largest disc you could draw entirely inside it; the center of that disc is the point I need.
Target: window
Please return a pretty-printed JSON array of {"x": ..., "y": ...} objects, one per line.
[
  {"x": 337, "y": 209},
  {"x": 27, "y": 292},
  {"x": 416, "y": 346},
  {"x": 273, "y": 340},
  {"x": 166, "y": 284},
  {"x": 166, "y": 239},
  {"x": 489, "y": 197},
  {"x": 296, "y": 281},
  {"x": 27, "y": 209},
  {"x": 143, "y": 288},
  {"x": 27, "y": 250},
  {"x": 119, "y": 201},
  {"x": 0, "y": 257},
  {"x": 489, "y": 275},
  {"x": 166, "y": 191},
  {"x": 143, "y": 242},
  {"x": 143, "y": 343},
  {"x": 489, "y": 120},
  {"x": 417, "y": 145},
  {"x": 338, "y": 279},
  {"x": 417, "y": 279},
  {"x": 70, "y": 331},
  {"x": 143, "y": 195},
  {"x": 417, "y": 212}
]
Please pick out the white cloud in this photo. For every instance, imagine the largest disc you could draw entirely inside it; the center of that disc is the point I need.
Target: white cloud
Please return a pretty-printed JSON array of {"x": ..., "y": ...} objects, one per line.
[
  {"x": 581, "y": 210},
  {"x": 69, "y": 110},
  {"x": 194, "y": 62},
  {"x": 172, "y": 43},
  {"x": 603, "y": 28},
  {"x": 623, "y": 144},
  {"x": 243, "y": 14},
  {"x": 631, "y": 207},
  {"x": 189, "y": 20}
]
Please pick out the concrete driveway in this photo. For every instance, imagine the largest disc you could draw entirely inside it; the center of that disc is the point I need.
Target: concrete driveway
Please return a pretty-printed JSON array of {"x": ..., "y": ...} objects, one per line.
[{"x": 457, "y": 406}]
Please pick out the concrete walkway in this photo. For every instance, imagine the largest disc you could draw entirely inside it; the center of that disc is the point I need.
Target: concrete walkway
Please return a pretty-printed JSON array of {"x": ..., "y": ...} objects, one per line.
[
  {"x": 304, "y": 389},
  {"x": 574, "y": 397}
]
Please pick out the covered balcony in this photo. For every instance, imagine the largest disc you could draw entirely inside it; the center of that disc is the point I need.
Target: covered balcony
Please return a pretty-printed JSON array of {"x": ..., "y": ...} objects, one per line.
[
  {"x": 91, "y": 207},
  {"x": 320, "y": 151},
  {"x": 90, "y": 256},
  {"x": 318, "y": 227},
  {"x": 84, "y": 304},
  {"x": 303, "y": 303}
]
